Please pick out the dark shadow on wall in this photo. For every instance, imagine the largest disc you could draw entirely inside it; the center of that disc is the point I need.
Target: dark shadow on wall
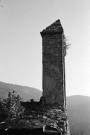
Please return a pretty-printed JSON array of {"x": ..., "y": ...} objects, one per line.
[{"x": 36, "y": 131}]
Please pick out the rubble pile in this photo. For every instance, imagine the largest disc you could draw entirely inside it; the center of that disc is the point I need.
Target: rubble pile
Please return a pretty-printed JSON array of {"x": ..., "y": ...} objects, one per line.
[{"x": 55, "y": 120}]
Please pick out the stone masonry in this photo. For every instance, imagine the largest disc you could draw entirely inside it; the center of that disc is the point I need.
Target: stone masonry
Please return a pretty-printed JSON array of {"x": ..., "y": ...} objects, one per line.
[{"x": 53, "y": 64}]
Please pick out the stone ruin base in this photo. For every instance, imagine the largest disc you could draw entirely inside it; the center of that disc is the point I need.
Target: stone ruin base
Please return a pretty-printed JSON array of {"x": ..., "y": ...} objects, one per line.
[
  {"x": 55, "y": 120},
  {"x": 45, "y": 119}
]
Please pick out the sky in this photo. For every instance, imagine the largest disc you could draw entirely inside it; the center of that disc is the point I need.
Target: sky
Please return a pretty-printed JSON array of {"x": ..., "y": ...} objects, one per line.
[{"x": 21, "y": 22}]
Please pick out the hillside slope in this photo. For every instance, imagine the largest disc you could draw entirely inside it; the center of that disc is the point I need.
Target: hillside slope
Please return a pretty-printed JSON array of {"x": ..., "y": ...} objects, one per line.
[
  {"x": 79, "y": 114},
  {"x": 26, "y": 93}
]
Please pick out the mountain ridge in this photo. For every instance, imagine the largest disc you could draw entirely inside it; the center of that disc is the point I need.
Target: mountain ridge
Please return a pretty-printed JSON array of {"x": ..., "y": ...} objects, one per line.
[
  {"x": 78, "y": 106},
  {"x": 78, "y": 109},
  {"x": 25, "y": 92}
]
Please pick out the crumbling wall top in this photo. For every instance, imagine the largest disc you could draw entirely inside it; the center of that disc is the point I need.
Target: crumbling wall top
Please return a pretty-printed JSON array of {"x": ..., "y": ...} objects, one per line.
[{"x": 54, "y": 28}]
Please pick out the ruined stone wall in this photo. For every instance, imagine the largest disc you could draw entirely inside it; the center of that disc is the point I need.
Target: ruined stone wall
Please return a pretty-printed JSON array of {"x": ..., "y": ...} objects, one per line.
[
  {"x": 52, "y": 64},
  {"x": 48, "y": 116}
]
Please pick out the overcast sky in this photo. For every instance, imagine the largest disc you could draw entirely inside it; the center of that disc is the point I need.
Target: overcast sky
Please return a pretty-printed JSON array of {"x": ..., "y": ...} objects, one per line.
[{"x": 21, "y": 44}]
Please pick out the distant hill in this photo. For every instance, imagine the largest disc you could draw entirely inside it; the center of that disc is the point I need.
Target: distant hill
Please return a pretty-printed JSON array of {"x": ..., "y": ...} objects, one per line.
[
  {"x": 26, "y": 93},
  {"x": 79, "y": 114},
  {"x": 78, "y": 106}
]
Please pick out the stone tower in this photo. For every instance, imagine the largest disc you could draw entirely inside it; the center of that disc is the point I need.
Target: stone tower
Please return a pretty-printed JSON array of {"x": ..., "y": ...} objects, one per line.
[{"x": 53, "y": 66}]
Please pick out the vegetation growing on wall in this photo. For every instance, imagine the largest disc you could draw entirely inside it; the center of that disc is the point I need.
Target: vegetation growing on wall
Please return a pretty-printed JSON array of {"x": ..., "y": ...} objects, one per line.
[{"x": 65, "y": 45}]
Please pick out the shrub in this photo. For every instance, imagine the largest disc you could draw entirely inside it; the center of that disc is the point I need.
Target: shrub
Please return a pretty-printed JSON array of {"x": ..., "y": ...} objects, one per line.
[{"x": 12, "y": 106}]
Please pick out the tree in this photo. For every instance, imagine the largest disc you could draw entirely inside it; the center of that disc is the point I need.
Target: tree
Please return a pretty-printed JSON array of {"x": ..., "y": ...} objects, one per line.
[{"x": 12, "y": 105}]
